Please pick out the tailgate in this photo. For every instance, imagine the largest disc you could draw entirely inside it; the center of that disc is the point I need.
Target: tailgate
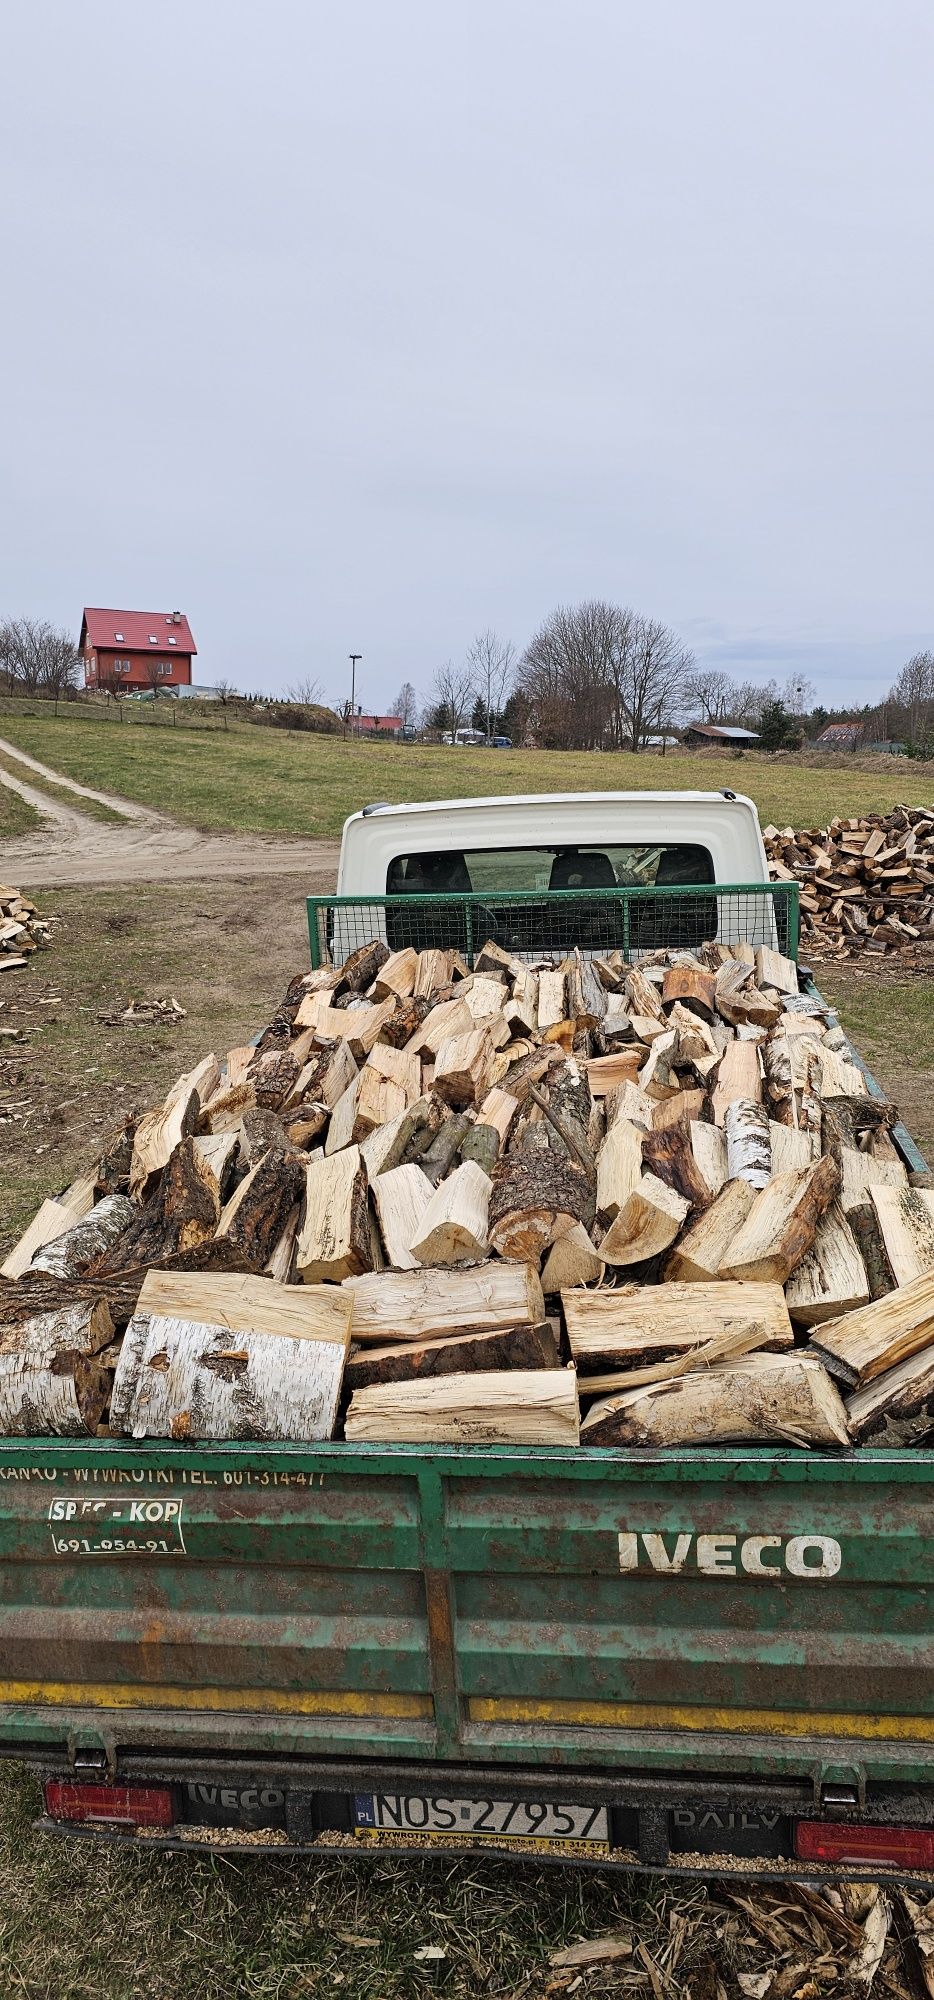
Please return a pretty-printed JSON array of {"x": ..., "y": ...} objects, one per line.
[{"x": 732, "y": 1611}]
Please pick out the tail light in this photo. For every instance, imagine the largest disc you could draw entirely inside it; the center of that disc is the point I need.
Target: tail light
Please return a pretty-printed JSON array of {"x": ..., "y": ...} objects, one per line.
[
  {"x": 894, "y": 1846},
  {"x": 110, "y": 1805}
]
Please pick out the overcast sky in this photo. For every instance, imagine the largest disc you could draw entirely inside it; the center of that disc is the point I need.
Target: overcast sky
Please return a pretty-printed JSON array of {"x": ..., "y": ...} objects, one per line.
[{"x": 369, "y": 325}]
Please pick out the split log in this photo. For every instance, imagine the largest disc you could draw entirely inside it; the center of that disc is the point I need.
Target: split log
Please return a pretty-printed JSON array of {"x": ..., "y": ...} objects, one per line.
[
  {"x": 741, "y": 1004},
  {"x": 492, "y": 958},
  {"x": 782, "y": 1223},
  {"x": 708, "y": 1145},
  {"x": 691, "y": 986},
  {"x": 639, "y": 1323},
  {"x": 401, "y": 1197},
  {"x": 619, "y": 1167},
  {"x": 737, "y": 1076},
  {"x": 536, "y": 1196},
  {"x": 335, "y": 1241},
  {"x": 192, "y": 1379},
  {"x": 439, "y": 1156},
  {"x": 454, "y": 1225},
  {"x": 401, "y": 1028},
  {"x": 253, "y": 1219},
  {"x": 160, "y": 1131},
  {"x": 748, "y": 1146},
  {"x": 462, "y": 1067},
  {"x": 669, "y": 1155},
  {"x": 642, "y": 996},
  {"x": 572, "y": 1260},
  {"x": 728, "y": 1346},
  {"x": 586, "y": 994},
  {"x": 430, "y": 1305},
  {"x": 408, "y": 1361},
  {"x": 219, "y": 1152},
  {"x": 242, "y": 1303},
  {"x": 626, "y": 1101},
  {"x": 226, "y": 1109},
  {"x": 862, "y": 1172},
  {"x": 897, "y": 1393},
  {"x": 274, "y": 1077},
  {"x": 831, "y": 1279},
  {"x": 552, "y": 989},
  {"x": 696, "y": 1040},
  {"x": 906, "y": 1219},
  {"x": 363, "y": 965},
  {"x": 647, "y": 1223},
  {"x": 779, "y": 1079},
  {"x": 499, "y": 1109},
  {"x": 379, "y": 1099},
  {"x": 870, "y": 1242},
  {"x": 113, "y": 1167},
  {"x": 279, "y": 1264},
  {"x": 678, "y": 1110},
  {"x": 181, "y": 1216},
  {"x": 396, "y": 975},
  {"x": 527, "y": 1406},
  {"x": 51, "y": 1383},
  {"x": 762, "y": 1399},
  {"x": 52, "y": 1219},
  {"x": 359, "y": 1027},
  {"x": 878, "y": 1336},
  {"x": 773, "y": 969},
  {"x": 658, "y": 1077},
  {"x": 445, "y": 1022},
  {"x": 704, "y": 1247},
  {"x": 484, "y": 995},
  {"x": 344, "y": 1118},
  {"x": 791, "y": 1148},
  {"x": 434, "y": 971},
  {"x": 608, "y": 1073},
  {"x": 74, "y": 1252}
]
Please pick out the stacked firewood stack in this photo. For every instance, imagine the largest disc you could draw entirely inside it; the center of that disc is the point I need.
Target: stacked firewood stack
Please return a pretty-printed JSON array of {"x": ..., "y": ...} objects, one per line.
[
  {"x": 22, "y": 930},
  {"x": 867, "y": 885},
  {"x": 435, "y": 1203}
]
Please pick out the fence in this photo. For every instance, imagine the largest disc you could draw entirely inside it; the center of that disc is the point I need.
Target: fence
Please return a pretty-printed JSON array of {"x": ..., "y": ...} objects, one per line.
[{"x": 633, "y": 921}]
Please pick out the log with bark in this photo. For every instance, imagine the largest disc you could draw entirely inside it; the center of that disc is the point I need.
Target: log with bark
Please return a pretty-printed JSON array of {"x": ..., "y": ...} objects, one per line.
[
  {"x": 51, "y": 1382},
  {"x": 782, "y": 1223},
  {"x": 874, "y": 1338},
  {"x": 767, "y": 1399},
  {"x": 535, "y": 1198},
  {"x": 335, "y": 1240},
  {"x": 641, "y": 1323},
  {"x": 407, "y": 1361}
]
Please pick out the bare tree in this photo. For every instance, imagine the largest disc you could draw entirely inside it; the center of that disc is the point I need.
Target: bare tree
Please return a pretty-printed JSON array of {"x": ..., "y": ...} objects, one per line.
[
  {"x": 750, "y": 700},
  {"x": 152, "y": 669},
  {"x": 405, "y": 705},
  {"x": 306, "y": 691},
  {"x": 912, "y": 695},
  {"x": 491, "y": 664},
  {"x": 601, "y": 675},
  {"x": 452, "y": 692},
  {"x": 713, "y": 692},
  {"x": 653, "y": 681},
  {"x": 799, "y": 694},
  {"x": 38, "y": 658}
]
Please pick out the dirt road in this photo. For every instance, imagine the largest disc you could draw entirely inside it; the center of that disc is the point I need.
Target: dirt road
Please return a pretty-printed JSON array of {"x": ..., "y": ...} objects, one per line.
[{"x": 73, "y": 848}]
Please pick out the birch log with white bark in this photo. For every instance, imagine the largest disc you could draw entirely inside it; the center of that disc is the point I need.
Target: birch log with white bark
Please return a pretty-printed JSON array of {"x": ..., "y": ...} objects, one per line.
[
  {"x": 51, "y": 1383},
  {"x": 197, "y": 1380},
  {"x": 748, "y": 1147}
]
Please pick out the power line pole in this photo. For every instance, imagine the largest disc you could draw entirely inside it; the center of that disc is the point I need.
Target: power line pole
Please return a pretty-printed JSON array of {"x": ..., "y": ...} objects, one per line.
[{"x": 353, "y": 658}]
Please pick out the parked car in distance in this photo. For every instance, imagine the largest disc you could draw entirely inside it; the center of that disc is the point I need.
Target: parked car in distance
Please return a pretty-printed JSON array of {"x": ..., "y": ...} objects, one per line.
[{"x": 501, "y": 742}]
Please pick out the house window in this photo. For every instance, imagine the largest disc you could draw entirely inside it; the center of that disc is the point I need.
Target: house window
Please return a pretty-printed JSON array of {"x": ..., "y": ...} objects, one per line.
[
  {"x": 119, "y": 638},
  {"x": 153, "y": 641},
  {"x": 165, "y": 666},
  {"x": 173, "y": 642},
  {"x": 122, "y": 666}
]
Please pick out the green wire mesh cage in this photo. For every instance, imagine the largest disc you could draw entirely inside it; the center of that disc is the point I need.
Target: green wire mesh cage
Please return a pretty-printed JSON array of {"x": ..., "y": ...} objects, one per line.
[{"x": 553, "y": 921}]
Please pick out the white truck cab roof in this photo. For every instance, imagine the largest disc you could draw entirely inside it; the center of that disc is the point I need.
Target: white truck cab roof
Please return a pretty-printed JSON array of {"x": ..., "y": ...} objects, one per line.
[{"x": 381, "y": 838}]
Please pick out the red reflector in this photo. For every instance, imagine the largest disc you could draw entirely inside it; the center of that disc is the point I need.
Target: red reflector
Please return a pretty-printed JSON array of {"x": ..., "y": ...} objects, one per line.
[
  {"x": 899, "y": 1846},
  {"x": 113, "y": 1805}
]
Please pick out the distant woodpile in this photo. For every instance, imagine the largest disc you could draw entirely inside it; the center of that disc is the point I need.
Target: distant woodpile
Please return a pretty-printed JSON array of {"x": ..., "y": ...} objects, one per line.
[{"x": 867, "y": 885}]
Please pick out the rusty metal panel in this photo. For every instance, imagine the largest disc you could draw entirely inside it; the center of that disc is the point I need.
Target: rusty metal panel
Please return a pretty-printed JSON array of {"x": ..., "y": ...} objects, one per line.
[{"x": 740, "y": 1610}]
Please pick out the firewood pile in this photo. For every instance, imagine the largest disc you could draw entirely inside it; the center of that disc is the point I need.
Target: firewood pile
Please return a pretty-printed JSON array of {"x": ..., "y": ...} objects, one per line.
[
  {"x": 585, "y": 1202},
  {"x": 22, "y": 930},
  {"x": 867, "y": 885}
]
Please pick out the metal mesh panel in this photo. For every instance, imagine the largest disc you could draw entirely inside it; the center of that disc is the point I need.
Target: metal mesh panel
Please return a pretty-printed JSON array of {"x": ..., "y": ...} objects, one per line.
[{"x": 633, "y": 921}]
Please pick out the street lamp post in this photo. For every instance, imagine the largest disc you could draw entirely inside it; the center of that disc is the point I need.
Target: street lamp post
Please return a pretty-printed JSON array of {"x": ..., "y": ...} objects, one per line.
[{"x": 353, "y": 658}]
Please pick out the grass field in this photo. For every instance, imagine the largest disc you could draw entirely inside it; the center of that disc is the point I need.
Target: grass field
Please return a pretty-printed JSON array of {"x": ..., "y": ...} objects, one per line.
[
  {"x": 93, "y": 807},
  {"x": 265, "y": 781},
  {"x": 15, "y": 816}
]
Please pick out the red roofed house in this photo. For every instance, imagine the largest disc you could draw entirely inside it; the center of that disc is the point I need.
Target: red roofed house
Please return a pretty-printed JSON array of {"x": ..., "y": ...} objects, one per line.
[
  {"x": 129, "y": 650},
  {"x": 376, "y": 725}
]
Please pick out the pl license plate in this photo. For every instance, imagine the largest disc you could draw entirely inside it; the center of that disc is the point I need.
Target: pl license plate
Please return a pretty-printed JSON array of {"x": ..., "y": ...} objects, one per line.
[{"x": 512, "y": 1819}]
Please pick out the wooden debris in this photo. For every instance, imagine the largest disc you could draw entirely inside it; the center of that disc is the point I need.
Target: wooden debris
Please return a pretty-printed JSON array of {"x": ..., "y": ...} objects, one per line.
[
  {"x": 867, "y": 888},
  {"x": 523, "y": 1406}
]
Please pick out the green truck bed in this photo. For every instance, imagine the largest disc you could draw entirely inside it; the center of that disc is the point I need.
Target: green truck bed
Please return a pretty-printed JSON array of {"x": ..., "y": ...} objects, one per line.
[{"x": 713, "y": 1649}]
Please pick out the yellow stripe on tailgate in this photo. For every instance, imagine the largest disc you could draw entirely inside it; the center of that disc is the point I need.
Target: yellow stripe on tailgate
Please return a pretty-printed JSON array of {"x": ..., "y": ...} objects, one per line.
[
  {"x": 257, "y": 1701},
  {"x": 734, "y": 1721}
]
